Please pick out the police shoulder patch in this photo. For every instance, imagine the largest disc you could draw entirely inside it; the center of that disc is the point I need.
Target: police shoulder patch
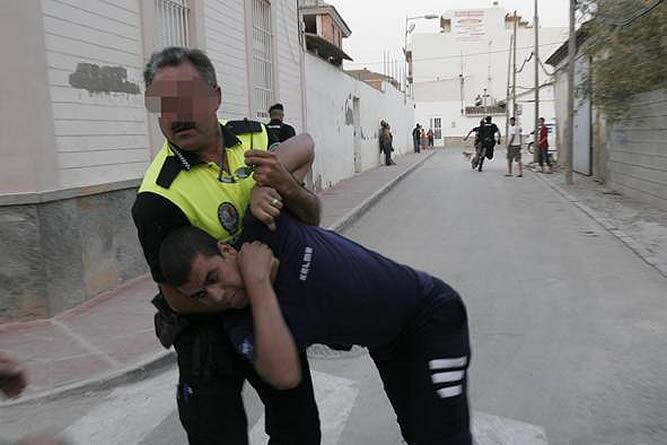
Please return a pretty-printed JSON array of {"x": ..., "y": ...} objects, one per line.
[{"x": 228, "y": 216}]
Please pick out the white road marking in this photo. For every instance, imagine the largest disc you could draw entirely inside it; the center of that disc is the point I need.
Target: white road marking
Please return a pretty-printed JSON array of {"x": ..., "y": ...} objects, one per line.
[
  {"x": 128, "y": 414},
  {"x": 335, "y": 398},
  {"x": 488, "y": 429}
]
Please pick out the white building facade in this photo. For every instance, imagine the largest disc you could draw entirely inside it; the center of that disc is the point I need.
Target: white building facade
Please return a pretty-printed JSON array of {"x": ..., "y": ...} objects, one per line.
[
  {"x": 76, "y": 138},
  {"x": 460, "y": 74}
]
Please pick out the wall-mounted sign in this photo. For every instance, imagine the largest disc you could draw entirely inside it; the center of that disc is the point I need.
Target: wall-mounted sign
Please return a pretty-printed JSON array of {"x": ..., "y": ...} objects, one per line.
[{"x": 468, "y": 25}]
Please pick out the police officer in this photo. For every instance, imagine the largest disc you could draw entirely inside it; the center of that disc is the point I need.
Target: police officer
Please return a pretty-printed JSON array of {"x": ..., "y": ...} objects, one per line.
[
  {"x": 207, "y": 174},
  {"x": 279, "y": 131}
]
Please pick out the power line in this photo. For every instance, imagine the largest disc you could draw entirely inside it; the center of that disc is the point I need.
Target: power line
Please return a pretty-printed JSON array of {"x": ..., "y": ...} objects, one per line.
[{"x": 485, "y": 53}]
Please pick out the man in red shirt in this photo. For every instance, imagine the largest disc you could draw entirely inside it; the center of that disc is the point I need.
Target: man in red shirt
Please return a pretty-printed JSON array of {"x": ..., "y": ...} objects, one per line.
[{"x": 543, "y": 144}]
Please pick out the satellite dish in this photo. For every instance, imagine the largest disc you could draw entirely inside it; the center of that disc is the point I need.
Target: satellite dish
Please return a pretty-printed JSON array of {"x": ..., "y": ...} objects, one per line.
[{"x": 411, "y": 28}]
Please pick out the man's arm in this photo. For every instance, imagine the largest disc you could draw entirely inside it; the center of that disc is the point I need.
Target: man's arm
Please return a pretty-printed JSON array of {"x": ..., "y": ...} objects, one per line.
[
  {"x": 284, "y": 170},
  {"x": 277, "y": 358}
]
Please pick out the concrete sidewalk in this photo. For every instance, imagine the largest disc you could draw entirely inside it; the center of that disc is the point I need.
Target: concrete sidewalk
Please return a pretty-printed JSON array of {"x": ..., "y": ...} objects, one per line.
[{"x": 112, "y": 336}]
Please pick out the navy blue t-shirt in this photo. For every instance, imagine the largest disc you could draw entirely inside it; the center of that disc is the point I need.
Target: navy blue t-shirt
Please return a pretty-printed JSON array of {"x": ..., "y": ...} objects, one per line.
[{"x": 331, "y": 290}]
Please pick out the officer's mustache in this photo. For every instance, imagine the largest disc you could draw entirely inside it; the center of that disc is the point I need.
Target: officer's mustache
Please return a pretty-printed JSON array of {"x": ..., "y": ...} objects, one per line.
[{"x": 180, "y": 126}]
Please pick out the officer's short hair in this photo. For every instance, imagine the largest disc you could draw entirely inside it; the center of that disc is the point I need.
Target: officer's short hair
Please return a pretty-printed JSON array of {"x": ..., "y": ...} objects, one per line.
[
  {"x": 180, "y": 248},
  {"x": 176, "y": 56},
  {"x": 278, "y": 106}
]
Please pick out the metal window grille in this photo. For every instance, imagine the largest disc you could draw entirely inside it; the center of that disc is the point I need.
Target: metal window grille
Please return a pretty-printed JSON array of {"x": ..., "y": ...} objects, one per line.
[
  {"x": 262, "y": 47},
  {"x": 172, "y": 22}
]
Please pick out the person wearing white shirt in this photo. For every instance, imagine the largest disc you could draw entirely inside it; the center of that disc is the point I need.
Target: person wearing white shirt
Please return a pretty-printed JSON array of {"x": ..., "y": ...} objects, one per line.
[{"x": 514, "y": 148}]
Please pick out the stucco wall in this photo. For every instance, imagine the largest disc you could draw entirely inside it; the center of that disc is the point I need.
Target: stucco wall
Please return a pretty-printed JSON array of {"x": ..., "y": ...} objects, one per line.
[
  {"x": 94, "y": 52},
  {"x": 330, "y": 95},
  {"x": 637, "y": 149}
]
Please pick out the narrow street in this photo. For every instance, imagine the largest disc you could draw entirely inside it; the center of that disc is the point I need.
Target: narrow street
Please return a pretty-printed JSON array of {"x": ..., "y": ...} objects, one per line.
[{"x": 568, "y": 326}]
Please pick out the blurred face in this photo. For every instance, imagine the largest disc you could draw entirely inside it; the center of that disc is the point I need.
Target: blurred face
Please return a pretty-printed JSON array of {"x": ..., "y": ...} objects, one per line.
[
  {"x": 217, "y": 281},
  {"x": 186, "y": 106},
  {"x": 541, "y": 121},
  {"x": 512, "y": 122},
  {"x": 277, "y": 115}
]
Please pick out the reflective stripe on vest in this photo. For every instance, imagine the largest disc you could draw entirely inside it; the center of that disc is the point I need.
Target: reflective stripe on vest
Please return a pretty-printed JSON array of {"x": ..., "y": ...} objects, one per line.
[{"x": 209, "y": 204}]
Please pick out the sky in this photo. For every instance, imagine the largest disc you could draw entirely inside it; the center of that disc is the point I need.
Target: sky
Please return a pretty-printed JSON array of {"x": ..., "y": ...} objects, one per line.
[{"x": 379, "y": 25}]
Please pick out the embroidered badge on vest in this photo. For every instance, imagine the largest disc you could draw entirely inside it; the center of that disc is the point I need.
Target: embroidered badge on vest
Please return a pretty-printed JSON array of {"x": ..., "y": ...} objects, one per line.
[{"x": 228, "y": 217}]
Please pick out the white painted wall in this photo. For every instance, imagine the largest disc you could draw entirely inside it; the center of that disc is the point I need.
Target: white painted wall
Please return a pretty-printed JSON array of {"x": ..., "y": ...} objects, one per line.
[
  {"x": 88, "y": 138},
  {"x": 26, "y": 124},
  {"x": 289, "y": 86},
  {"x": 329, "y": 95},
  {"x": 99, "y": 137},
  {"x": 227, "y": 25},
  {"x": 225, "y": 34}
]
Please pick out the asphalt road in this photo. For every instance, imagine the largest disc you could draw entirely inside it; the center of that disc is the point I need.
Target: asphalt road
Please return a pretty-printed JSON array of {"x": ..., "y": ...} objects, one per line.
[{"x": 568, "y": 327}]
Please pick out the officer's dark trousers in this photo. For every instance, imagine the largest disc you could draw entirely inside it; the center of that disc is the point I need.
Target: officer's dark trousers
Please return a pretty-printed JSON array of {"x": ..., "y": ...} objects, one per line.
[
  {"x": 424, "y": 372},
  {"x": 209, "y": 399}
]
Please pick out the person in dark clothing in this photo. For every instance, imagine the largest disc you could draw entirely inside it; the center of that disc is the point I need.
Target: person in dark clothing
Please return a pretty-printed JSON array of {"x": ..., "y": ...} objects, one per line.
[
  {"x": 278, "y": 130},
  {"x": 324, "y": 288},
  {"x": 386, "y": 143},
  {"x": 487, "y": 140},
  {"x": 416, "y": 137},
  {"x": 478, "y": 147}
]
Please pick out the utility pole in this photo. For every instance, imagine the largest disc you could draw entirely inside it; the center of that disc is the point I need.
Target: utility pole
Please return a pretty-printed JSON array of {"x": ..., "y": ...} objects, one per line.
[
  {"x": 514, "y": 113},
  {"x": 569, "y": 135},
  {"x": 537, "y": 76},
  {"x": 507, "y": 91}
]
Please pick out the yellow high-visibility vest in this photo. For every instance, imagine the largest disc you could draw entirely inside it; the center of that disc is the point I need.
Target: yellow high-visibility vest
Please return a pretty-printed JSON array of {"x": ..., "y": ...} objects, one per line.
[{"x": 215, "y": 207}]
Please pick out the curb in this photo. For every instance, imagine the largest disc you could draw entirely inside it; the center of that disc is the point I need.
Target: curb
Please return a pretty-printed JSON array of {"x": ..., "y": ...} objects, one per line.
[
  {"x": 353, "y": 216},
  {"x": 166, "y": 358},
  {"x": 610, "y": 227},
  {"x": 136, "y": 371}
]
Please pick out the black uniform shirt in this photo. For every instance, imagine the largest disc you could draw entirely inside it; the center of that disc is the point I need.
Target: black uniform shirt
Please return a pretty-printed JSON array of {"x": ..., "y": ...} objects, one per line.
[
  {"x": 279, "y": 132},
  {"x": 331, "y": 290}
]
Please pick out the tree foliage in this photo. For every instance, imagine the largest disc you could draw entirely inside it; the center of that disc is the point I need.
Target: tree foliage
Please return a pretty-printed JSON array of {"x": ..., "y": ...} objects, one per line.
[{"x": 627, "y": 42}]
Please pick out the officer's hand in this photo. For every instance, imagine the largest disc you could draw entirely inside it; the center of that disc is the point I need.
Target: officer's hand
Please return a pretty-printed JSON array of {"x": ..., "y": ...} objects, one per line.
[
  {"x": 13, "y": 378},
  {"x": 269, "y": 171},
  {"x": 256, "y": 262},
  {"x": 265, "y": 205}
]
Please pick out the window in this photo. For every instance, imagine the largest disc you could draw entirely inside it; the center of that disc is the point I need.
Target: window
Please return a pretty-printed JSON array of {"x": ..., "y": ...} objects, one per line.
[
  {"x": 310, "y": 22},
  {"x": 172, "y": 23},
  {"x": 262, "y": 55}
]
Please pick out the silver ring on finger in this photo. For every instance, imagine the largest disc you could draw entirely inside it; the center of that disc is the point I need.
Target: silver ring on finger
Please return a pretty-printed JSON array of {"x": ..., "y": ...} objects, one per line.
[{"x": 274, "y": 202}]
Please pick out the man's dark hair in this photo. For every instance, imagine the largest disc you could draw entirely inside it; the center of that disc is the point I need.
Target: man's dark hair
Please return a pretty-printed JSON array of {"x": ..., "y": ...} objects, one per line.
[
  {"x": 542, "y": 119},
  {"x": 512, "y": 118},
  {"x": 277, "y": 106},
  {"x": 179, "y": 249},
  {"x": 488, "y": 119},
  {"x": 177, "y": 56}
]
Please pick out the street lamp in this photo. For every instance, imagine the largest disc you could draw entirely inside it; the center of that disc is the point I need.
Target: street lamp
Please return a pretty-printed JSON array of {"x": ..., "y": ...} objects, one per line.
[{"x": 409, "y": 30}]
